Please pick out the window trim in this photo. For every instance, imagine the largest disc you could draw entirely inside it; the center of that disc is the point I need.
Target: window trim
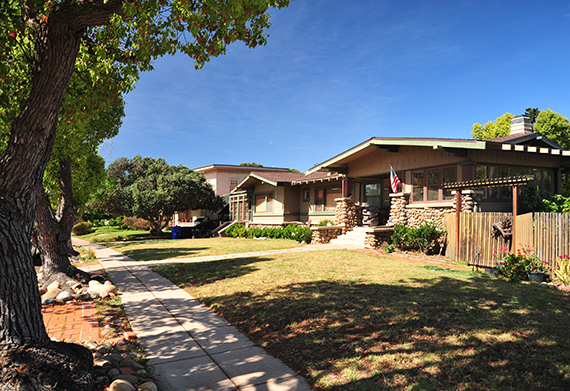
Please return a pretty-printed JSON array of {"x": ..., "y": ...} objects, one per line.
[
  {"x": 425, "y": 187},
  {"x": 267, "y": 203},
  {"x": 324, "y": 199}
]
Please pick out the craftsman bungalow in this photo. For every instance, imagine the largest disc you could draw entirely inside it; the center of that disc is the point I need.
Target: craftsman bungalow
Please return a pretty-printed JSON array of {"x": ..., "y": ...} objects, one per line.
[
  {"x": 424, "y": 165},
  {"x": 362, "y": 175}
]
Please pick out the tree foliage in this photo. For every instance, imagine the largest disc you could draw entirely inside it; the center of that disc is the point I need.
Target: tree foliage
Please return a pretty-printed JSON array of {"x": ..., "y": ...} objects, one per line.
[
  {"x": 151, "y": 189},
  {"x": 493, "y": 129},
  {"x": 532, "y": 113},
  {"x": 42, "y": 44},
  {"x": 554, "y": 126}
]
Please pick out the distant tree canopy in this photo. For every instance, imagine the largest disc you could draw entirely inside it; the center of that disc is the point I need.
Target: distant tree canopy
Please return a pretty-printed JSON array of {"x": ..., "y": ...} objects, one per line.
[
  {"x": 493, "y": 129},
  {"x": 151, "y": 189},
  {"x": 253, "y": 164}
]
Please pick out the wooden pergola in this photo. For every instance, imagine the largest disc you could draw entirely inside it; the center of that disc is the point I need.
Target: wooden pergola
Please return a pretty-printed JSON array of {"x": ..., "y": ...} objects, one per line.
[{"x": 513, "y": 181}]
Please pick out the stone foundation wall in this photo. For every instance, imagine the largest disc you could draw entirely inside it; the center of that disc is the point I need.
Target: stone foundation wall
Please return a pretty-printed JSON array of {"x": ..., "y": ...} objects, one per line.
[
  {"x": 398, "y": 211},
  {"x": 421, "y": 216},
  {"x": 347, "y": 214},
  {"x": 322, "y": 235},
  {"x": 375, "y": 238}
]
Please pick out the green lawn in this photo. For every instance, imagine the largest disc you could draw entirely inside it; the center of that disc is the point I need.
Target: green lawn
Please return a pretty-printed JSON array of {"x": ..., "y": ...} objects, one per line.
[
  {"x": 352, "y": 321},
  {"x": 182, "y": 248},
  {"x": 103, "y": 234}
]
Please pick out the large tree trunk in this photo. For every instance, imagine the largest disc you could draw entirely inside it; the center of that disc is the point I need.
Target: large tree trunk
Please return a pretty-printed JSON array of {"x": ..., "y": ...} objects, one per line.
[
  {"x": 53, "y": 230},
  {"x": 22, "y": 331}
]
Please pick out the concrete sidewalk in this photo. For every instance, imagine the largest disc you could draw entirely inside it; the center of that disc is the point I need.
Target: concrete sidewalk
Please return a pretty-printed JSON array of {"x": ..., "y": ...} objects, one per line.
[{"x": 190, "y": 347}]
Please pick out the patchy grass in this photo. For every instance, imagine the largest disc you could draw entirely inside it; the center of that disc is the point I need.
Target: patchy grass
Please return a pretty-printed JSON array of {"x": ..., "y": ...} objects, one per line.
[
  {"x": 354, "y": 321},
  {"x": 182, "y": 248},
  {"x": 108, "y": 234}
]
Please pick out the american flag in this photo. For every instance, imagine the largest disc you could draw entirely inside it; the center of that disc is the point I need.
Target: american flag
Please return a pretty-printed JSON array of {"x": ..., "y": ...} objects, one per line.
[{"x": 394, "y": 180}]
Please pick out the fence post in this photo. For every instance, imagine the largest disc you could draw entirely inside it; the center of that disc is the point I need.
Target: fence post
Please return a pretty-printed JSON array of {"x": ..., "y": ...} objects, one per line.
[
  {"x": 457, "y": 220},
  {"x": 514, "y": 224}
]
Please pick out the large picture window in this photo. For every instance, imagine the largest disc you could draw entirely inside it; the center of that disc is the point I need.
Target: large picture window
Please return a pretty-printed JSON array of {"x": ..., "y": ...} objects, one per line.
[
  {"x": 542, "y": 180},
  {"x": 325, "y": 199},
  {"x": 426, "y": 184}
]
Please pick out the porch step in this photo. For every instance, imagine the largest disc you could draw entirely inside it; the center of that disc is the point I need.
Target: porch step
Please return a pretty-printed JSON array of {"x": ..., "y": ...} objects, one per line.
[{"x": 355, "y": 237}]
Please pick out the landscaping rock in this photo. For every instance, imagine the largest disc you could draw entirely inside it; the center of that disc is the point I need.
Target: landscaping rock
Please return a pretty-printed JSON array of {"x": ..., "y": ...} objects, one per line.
[
  {"x": 103, "y": 290},
  {"x": 64, "y": 296},
  {"x": 114, "y": 358},
  {"x": 132, "y": 379},
  {"x": 121, "y": 385},
  {"x": 103, "y": 363},
  {"x": 148, "y": 386},
  {"x": 104, "y": 347},
  {"x": 113, "y": 372},
  {"x": 48, "y": 300},
  {"x": 131, "y": 364}
]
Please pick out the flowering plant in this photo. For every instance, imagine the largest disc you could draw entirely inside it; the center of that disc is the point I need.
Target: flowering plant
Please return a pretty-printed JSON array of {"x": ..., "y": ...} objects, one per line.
[{"x": 517, "y": 266}]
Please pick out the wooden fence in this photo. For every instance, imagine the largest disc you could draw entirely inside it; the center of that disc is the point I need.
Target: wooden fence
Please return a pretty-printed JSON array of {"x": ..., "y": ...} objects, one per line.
[{"x": 547, "y": 234}]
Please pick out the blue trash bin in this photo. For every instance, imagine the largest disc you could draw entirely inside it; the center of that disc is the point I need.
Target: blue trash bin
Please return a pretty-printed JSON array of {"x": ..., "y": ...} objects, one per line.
[{"x": 176, "y": 230}]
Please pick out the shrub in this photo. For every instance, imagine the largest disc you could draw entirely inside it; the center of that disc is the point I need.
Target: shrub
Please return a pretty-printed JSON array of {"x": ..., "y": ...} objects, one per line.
[
  {"x": 324, "y": 223},
  {"x": 386, "y": 247},
  {"x": 515, "y": 267},
  {"x": 81, "y": 228},
  {"x": 135, "y": 223},
  {"x": 300, "y": 233},
  {"x": 236, "y": 230},
  {"x": 563, "y": 270},
  {"x": 400, "y": 236},
  {"x": 422, "y": 238}
]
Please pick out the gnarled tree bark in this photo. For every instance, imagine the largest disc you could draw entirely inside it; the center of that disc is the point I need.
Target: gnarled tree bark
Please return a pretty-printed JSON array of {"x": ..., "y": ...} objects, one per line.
[{"x": 22, "y": 165}]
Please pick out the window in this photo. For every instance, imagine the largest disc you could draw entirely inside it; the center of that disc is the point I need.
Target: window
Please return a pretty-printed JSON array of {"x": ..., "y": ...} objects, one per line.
[
  {"x": 542, "y": 180},
  {"x": 306, "y": 195},
  {"x": 264, "y": 203},
  {"x": 233, "y": 184},
  {"x": 325, "y": 199},
  {"x": 418, "y": 186},
  {"x": 427, "y": 184},
  {"x": 373, "y": 194}
]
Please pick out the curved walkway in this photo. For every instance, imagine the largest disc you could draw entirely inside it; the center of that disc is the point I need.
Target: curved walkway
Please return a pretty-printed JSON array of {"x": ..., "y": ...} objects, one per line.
[{"x": 190, "y": 347}]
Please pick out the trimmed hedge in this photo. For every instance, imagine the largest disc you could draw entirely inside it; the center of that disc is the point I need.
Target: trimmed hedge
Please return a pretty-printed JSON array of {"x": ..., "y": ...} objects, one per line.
[{"x": 295, "y": 232}]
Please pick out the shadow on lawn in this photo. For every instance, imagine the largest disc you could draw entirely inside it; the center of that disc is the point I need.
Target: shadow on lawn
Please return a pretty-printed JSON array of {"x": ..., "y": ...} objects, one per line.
[
  {"x": 433, "y": 334},
  {"x": 204, "y": 273},
  {"x": 157, "y": 254}
]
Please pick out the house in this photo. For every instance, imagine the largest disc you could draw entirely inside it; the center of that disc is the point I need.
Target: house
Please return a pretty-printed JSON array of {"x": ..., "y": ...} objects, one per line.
[
  {"x": 339, "y": 187},
  {"x": 223, "y": 178},
  {"x": 280, "y": 198},
  {"x": 424, "y": 165}
]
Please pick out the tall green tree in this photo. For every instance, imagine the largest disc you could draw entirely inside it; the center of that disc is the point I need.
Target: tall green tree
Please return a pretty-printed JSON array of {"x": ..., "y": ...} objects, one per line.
[
  {"x": 554, "y": 126},
  {"x": 493, "y": 129},
  {"x": 124, "y": 36},
  {"x": 151, "y": 189},
  {"x": 532, "y": 113}
]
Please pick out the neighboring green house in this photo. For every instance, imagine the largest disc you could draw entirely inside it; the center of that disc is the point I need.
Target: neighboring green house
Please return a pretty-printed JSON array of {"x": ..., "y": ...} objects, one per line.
[{"x": 276, "y": 198}]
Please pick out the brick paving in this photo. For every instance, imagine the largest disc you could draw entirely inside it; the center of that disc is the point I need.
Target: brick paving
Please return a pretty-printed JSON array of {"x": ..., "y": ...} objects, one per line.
[{"x": 71, "y": 321}]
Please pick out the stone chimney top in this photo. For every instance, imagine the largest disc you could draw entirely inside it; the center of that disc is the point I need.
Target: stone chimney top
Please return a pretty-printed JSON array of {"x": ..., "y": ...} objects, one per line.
[{"x": 521, "y": 125}]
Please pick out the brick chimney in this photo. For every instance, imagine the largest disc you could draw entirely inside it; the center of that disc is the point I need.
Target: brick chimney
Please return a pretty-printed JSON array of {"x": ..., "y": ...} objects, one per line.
[{"x": 521, "y": 125}]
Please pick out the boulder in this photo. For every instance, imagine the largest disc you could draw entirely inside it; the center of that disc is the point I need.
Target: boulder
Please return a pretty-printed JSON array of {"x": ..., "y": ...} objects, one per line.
[
  {"x": 103, "y": 290},
  {"x": 121, "y": 385}
]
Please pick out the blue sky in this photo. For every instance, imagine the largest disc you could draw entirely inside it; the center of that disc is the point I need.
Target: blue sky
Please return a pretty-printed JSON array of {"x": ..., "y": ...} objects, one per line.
[{"x": 335, "y": 73}]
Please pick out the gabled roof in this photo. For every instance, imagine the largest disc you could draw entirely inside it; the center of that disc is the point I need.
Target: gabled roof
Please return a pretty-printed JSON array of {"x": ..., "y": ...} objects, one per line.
[
  {"x": 281, "y": 178},
  {"x": 531, "y": 139},
  {"x": 533, "y": 142},
  {"x": 392, "y": 144},
  {"x": 233, "y": 167}
]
